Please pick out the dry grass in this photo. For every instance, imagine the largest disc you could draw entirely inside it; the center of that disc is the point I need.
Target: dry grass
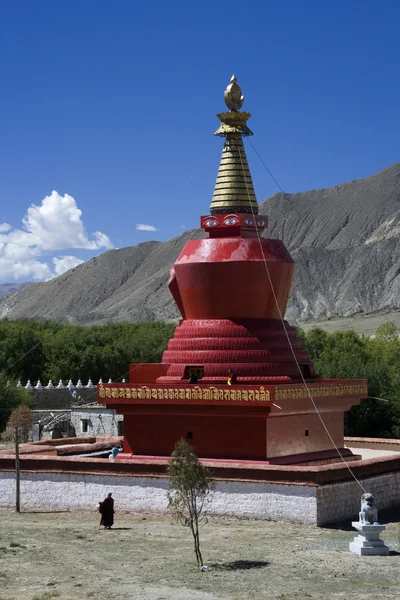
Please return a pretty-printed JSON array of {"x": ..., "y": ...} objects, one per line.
[{"x": 67, "y": 556}]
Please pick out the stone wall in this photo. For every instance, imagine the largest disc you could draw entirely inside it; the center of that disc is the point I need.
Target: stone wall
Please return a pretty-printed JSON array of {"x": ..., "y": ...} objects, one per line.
[
  {"x": 342, "y": 500},
  {"x": 58, "y": 399},
  {"x": 301, "y": 503},
  {"x": 65, "y": 491},
  {"x": 96, "y": 420}
]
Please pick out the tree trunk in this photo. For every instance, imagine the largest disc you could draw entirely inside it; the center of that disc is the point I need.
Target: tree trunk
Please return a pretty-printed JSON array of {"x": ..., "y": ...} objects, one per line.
[{"x": 17, "y": 471}]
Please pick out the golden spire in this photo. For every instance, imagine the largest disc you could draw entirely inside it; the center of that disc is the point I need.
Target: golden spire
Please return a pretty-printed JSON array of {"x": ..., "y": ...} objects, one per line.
[{"x": 234, "y": 190}]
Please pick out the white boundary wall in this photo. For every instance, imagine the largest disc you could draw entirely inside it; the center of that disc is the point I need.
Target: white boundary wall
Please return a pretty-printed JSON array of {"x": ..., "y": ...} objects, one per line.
[
  {"x": 243, "y": 499},
  {"x": 299, "y": 503}
]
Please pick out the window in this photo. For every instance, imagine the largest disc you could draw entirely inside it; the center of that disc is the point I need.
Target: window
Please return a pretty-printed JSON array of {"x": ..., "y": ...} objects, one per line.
[
  {"x": 120, "y": 426},
  {"x": 84, "y": 425},
  {"x": 189, "y": 435},
  {"x": 306, "y": 433},
  {"x": 196, "y": 369}
]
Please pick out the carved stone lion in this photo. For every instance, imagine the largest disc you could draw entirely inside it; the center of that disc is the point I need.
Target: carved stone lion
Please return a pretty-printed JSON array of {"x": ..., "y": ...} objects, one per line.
[{"x": 368, "y": 513}]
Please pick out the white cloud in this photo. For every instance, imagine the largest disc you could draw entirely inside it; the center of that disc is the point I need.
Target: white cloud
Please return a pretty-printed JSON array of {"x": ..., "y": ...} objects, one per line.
[
  {"x": 65, "y": 263},
  {"x": 54, "y": 225},
  {"x": 143, "y": 227},
  {"x": 12, "y": 270}
]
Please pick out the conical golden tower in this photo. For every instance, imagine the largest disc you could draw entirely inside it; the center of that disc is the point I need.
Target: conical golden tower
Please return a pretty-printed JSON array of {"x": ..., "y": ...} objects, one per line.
[{"x": 234, "y": 190}]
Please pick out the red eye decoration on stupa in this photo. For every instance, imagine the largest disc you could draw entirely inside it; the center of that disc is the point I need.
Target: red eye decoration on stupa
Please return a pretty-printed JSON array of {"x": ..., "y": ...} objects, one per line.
[
  {"x": 249, "y": 221},
  {"x": 231, "y": 220},
  {"x": 211, "y": 222}
]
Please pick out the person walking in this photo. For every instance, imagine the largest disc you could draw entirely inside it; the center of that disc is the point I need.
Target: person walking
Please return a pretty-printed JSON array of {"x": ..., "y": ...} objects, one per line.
[{"x": 107, "y": 512}]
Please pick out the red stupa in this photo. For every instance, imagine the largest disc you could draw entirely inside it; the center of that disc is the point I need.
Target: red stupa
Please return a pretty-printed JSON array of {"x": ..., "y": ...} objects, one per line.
[{"x": 235, "y": 379}]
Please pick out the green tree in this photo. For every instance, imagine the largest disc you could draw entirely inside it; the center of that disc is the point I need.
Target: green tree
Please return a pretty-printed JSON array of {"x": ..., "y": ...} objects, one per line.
[
  {"x": 190, "y": 485},
  {"x": 10, "y": 398},
  {"x": 21, "y": 419},
  {"x": 348, "y": 355}
]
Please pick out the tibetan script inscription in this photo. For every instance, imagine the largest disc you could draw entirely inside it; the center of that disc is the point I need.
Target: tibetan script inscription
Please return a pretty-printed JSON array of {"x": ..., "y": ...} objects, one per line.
[
  {"x": 193, "y": 393},
  {"x": 296, "y": 393}
]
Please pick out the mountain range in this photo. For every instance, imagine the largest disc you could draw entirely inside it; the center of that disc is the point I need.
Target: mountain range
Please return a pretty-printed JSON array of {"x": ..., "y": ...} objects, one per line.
[{"x": 345, "y": 241}]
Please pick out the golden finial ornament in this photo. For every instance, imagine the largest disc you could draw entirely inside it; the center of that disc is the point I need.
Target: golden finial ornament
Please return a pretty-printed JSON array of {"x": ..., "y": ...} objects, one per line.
[
  {"x": 234, "y": 190},
  {"x": 235, "y": 120},
  {"x": 233, "y": 95}
]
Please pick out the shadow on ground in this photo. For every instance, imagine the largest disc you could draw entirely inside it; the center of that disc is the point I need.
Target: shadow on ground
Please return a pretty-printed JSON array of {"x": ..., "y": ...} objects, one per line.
[{"x": 237, "y": 565}]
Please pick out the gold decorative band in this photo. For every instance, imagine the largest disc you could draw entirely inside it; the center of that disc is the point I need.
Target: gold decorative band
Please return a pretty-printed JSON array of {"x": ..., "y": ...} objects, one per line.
[
  {"x": 192, "y": 393},
  {"x": 360, "y": 390}
]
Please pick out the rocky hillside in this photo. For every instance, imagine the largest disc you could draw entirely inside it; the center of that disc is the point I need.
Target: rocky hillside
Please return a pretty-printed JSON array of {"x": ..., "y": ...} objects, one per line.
[
  {"x": 345, "y": 241},
  {"x": 346, "y": 244}
]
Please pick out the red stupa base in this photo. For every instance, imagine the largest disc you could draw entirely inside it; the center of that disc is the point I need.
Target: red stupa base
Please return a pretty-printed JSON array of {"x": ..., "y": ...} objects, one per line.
[{"x": 274, "y": 421}]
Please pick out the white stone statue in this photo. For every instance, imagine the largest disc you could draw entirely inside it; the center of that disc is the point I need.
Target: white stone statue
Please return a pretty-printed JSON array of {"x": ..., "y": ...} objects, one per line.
[
  {"x": 368, "y": 512},
  {"x": 368, "y": 541}
]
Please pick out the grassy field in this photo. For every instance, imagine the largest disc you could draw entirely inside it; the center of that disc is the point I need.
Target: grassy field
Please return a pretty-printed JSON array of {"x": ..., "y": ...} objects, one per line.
[{"x": 66, "y": 555}]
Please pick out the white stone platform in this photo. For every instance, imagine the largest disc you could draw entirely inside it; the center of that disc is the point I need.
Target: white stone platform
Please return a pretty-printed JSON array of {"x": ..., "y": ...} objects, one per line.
[{"x": 368, "y": 542}]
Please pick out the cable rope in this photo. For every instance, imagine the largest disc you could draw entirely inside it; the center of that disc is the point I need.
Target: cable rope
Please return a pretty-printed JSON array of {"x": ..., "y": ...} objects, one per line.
[
  {"x": 287, "y": 334},
  {"x": 277, "y": 183},
  {"x": 17, "y": 361},
  {"x": 279, "y": 186}
]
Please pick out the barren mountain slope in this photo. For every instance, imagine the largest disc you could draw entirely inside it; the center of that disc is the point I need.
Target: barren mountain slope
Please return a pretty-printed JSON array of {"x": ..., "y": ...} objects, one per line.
[
  {"x": 345, "y": 241},
  {"x": 344, "y": 216},
  {"x": 129, "y": 284}
]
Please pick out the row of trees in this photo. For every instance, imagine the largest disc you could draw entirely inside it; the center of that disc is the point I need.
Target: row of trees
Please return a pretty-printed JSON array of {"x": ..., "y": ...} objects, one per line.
[
  {"x": 347, "y": 354},
  {"x": 50, "y": 350}
]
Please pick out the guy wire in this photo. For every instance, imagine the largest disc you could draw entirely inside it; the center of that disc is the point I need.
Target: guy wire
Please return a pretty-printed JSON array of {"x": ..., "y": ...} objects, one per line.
[{"x": 287, "y": 335}]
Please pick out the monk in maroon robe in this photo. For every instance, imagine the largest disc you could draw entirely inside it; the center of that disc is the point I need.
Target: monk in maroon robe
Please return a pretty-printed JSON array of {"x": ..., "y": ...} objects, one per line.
[{"x": 107, "y": 512}]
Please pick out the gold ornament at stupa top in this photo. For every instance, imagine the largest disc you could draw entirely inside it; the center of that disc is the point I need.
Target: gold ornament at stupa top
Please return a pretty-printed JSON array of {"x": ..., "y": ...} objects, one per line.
[
  {"x": 233, "y": 95},
  {"x": 233, "y": 121},
  {"x": 234, "y": 190}
]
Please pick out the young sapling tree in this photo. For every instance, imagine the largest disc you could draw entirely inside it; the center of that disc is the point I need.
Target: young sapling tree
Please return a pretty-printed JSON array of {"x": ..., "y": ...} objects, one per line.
[{"x": 190, "y": 486}]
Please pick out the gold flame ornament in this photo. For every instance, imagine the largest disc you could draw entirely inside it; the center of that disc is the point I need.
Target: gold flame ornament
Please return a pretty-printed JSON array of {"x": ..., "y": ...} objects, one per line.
[{"x": 233, "y": 95}]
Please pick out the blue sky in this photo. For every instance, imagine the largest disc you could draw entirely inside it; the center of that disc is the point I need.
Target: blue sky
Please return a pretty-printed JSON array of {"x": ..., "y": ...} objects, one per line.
[{"x": 112, "y": 105}]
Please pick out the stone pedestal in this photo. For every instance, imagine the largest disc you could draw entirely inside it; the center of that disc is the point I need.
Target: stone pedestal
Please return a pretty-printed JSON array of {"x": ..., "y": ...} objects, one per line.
[{"x": 368, "y": 541}]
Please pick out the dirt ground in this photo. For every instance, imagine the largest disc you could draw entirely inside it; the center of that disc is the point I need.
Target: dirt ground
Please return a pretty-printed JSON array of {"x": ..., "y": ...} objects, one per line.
[{"x": 66, "y": 555}]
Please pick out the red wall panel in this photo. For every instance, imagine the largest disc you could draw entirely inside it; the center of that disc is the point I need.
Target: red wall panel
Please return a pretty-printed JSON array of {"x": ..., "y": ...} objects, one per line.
[{"x": 217, "y": 437}]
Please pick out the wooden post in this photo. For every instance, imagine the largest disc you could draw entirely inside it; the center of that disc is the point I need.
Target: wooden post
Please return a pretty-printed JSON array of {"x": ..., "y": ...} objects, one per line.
[{"x": 17, "y": 470}]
